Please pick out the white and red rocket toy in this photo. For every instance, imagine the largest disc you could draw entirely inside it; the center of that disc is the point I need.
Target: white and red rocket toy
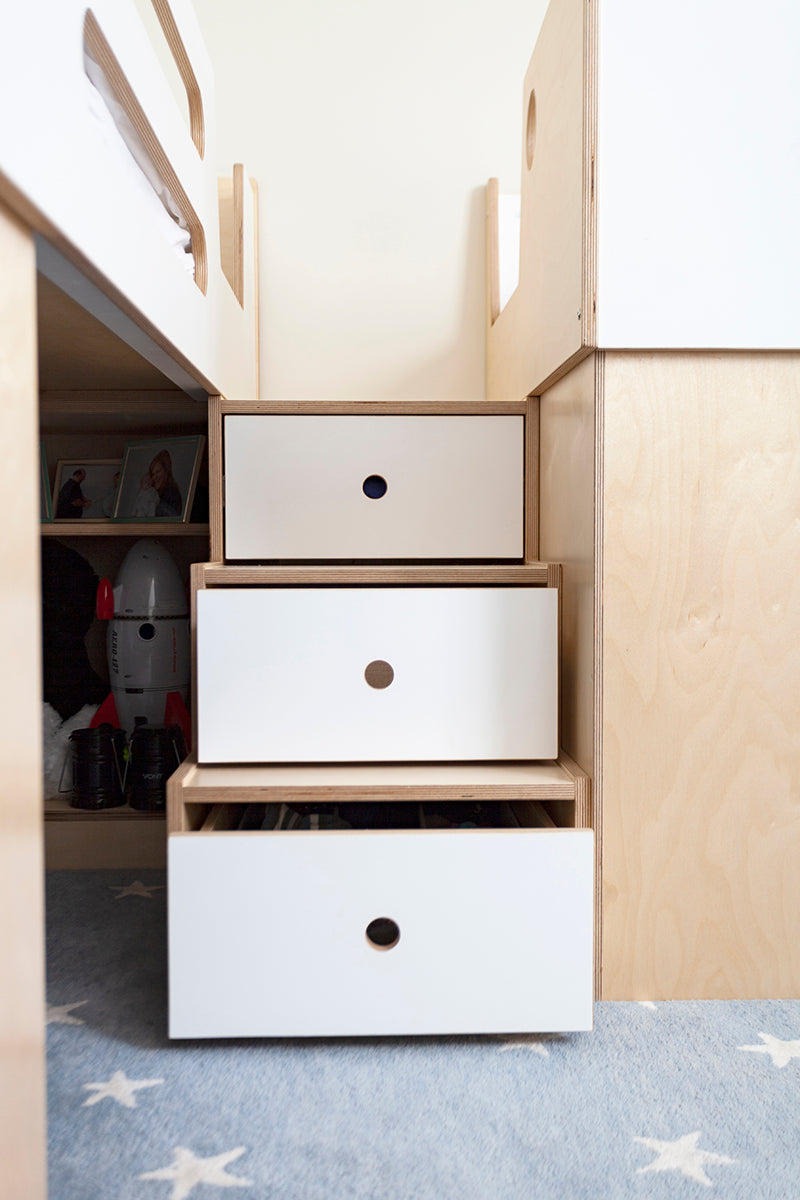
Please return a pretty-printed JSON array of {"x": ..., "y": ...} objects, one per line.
[{"x": 148, "y": 641}]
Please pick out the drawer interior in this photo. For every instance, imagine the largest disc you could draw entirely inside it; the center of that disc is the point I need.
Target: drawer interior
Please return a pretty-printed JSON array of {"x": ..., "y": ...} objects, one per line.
[{"x": 276, "y": 817}]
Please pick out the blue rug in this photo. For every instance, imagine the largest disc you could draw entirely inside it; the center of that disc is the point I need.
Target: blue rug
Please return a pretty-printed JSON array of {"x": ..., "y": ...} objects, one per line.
[{"x": 665, "y": 1100}]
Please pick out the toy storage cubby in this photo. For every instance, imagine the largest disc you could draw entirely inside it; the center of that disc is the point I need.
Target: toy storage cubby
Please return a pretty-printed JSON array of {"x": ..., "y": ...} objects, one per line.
[
  {"x": 373, "y": 855},
  {"x": 96, "y": 396}
]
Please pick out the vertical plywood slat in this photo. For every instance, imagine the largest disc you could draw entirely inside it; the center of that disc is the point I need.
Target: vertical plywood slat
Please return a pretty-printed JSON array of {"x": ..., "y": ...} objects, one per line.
[
  {"x": 532, "y": 479},
  {"x": 566, "y": 525},
  {"x": 701, "y": 658},
  {"x": 544, "y": 327},
  {"x": 215, "y": 479},
  {"x": 22, "y": 1080}
]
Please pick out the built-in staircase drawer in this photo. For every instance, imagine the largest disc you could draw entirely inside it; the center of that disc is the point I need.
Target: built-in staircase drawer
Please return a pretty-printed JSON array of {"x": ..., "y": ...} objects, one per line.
[
  {"x": 373, "y": 487},
  {"x": 376, "y": 674},
  {"x": 371, "y": 932}
]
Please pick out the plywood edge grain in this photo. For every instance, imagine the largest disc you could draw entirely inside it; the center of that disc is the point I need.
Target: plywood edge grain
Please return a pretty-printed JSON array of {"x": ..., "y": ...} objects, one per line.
[
  {"x": 422, "y": 408},
  {"x": 337, "y": 575},
  {"x": 216, "y": 470}
]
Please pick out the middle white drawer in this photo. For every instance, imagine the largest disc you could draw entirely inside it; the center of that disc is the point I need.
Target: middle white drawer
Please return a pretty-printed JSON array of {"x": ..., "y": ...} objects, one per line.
[
  {"x": 376, "y": 674},
  {"x": 373, "y": 487}
]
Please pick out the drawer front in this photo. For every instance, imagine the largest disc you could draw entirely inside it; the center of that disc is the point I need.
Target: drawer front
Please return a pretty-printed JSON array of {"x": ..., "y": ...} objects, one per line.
[
  {"x": 376, "y": 674},
  {"x": 267, "y": 933},
  {"x": 373, "y": 487}
]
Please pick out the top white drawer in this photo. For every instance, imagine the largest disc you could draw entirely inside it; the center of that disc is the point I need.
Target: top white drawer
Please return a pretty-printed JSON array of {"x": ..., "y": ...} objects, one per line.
[{"x": 373, "y": 487}]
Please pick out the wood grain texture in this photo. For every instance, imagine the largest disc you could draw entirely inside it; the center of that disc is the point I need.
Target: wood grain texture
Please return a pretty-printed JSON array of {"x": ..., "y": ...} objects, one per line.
[
  {"x": 543, "y": 325},
  {"x": 532, "y": 480},
  {"x": 523, "y": 575},
  {"x": 566, "y": 525},
  {"x": 22, "y": 997},
  {"x": 420, "y": 408},
  {"x": 216, "y": 490},
  {"x": 701, "y": 658},
  {"x": 327, "y": 782}
]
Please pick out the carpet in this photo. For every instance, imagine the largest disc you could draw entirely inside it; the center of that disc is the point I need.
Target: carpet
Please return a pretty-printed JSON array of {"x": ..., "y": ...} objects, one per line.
[{"x": 660, "y": 1100}]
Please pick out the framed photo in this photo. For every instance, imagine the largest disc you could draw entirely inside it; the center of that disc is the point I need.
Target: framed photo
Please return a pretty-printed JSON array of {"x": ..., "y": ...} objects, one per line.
[
  {"x": 158, "y": 479},
  {"x": 44, "y": 486},
  {"x": 85, "y": 489}
]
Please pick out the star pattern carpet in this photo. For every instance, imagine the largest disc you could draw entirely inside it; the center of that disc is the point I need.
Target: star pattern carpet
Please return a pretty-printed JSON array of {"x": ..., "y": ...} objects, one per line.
[{"x": 664, "y": 1101}]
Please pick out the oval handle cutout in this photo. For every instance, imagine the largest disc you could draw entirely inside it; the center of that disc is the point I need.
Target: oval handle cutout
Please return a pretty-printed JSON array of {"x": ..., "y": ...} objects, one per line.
[
  {"x": 374, "y": 486},
  {"x": 383, "y": 933},
  {"x": 379, "y": 674}
]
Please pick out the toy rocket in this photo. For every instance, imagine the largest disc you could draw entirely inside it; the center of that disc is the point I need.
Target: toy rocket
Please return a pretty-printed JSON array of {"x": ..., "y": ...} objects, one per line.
[{"x": 148, "y": 641}]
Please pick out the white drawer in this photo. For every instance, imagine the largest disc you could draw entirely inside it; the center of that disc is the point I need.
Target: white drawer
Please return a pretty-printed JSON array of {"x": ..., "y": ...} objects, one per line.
[
  {"x": 376, "y": 674},
  {"x": 295, "y": 487},
  {"x": 268, "y": 932}
]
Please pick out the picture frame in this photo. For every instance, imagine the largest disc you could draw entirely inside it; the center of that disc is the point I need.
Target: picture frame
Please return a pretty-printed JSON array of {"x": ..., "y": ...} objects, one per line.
[
  {"x": 45, "y": 499},
  {"x": 85, "y": 489},
  {"x": 158, "y": 479}
]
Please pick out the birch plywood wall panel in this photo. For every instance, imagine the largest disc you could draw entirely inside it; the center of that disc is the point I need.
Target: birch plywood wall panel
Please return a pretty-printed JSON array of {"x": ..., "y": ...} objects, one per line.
[
  {"x": 701, "y": 657},
  {"x": 566, "y": 533}
]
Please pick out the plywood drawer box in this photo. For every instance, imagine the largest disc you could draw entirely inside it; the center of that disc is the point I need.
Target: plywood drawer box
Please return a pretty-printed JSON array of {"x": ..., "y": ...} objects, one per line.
[
  {"x": 271, "y": 933},
  {"x": 373, "y": 487},
  {"x": 342, "y": 674}
]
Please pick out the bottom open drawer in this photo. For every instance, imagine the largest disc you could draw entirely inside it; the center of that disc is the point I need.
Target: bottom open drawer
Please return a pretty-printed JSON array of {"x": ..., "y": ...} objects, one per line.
[{"x": 305, "y": 932}]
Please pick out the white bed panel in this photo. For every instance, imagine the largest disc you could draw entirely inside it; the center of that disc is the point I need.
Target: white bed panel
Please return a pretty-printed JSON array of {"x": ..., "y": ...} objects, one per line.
[
  {"x": 698, "y": 174},
  {"x": 55, "y": 162}
]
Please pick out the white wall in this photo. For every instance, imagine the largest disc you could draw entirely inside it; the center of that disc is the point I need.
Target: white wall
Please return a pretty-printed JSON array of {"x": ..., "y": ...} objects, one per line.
[{"x": 371, "y": 129}]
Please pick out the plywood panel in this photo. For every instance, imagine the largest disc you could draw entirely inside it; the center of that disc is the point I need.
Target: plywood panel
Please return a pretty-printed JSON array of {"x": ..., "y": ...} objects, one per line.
[
  {"x": 701, "y": 657},
  {"x": 567, "y": 533},
  {"x": 549, "y": 320},
  {"x": 22, "y": 1088}
]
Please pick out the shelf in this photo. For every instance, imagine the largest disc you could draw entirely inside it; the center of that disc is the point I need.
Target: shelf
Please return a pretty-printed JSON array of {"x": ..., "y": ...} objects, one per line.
[
  {"x": 62, "y": 810},
  {"x": 123, "y": 529},
  {"x": 556, "y": 781},
  {"x": 432, "y": 574}
]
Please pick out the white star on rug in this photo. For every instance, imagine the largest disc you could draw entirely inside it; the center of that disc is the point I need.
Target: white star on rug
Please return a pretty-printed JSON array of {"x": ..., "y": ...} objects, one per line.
[
  {"x": 119, "y": 1088},
  {"x": 59, "y": 1014},
  {"x": 188, "y": 1169},
  {"x": 138, "y": 889},
  {"x": 780, "y": 1052},
  {"x": 682, "y": 1155}
]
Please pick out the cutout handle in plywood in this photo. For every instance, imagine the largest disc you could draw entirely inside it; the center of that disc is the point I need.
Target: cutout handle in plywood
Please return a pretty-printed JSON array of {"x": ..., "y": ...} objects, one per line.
[
  {"x": 230, "y": 198},
  {"x": 97, "y": 49},
  {"x": 197, "y": 127}
]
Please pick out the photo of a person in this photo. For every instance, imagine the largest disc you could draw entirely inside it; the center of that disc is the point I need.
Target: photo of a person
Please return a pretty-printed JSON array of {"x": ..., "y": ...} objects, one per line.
[
  {"x": 71, "y": 500},
  {"x": 103, "y": 506},
  {"x": 85, "y": 489},
  {"x": 146, "y": 502},
  {"x": 170, "y": 502},
  {"x": 158, "y": 480}
]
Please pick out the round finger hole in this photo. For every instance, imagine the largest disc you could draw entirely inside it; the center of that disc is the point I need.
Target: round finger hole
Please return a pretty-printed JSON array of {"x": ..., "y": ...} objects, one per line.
[
  {"x": 383, "y": 933},
  {"x": 379, "y": 674},
  {"x": 147, "y": 631},
  {"x": 374, "y": 486}
]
